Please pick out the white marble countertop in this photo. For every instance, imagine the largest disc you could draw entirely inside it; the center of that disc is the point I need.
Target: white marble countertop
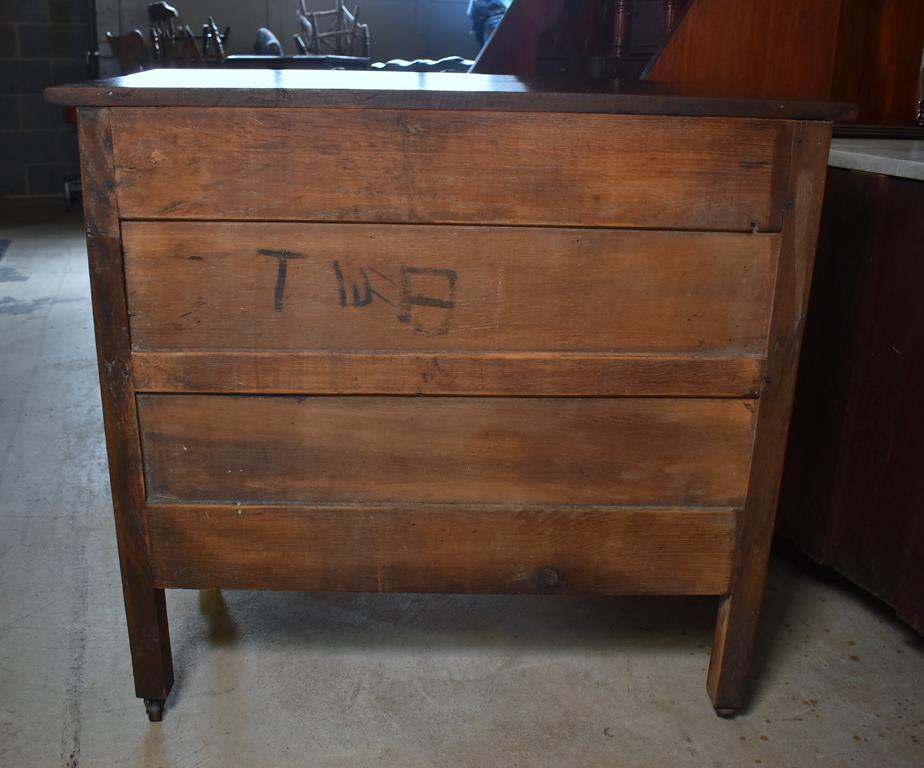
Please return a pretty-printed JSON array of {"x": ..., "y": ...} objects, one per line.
[{"x": 892, "y": 157}]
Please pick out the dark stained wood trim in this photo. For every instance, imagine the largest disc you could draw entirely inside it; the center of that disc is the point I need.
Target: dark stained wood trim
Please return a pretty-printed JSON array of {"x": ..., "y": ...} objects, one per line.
[
  {"x": 739, "y": 609},
  {"x": 145, "y": 608},
  {"x": 444, "y": 548},
  {"x": 405, "y": 90},
  {"x": 526, "y": 374}
]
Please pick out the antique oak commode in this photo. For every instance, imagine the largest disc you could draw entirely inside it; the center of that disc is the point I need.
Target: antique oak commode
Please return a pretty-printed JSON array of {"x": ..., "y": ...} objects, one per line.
[{"x": 393, "y": 332}]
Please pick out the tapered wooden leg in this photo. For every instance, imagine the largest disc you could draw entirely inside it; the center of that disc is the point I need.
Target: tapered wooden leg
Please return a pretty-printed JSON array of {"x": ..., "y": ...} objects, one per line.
[
  {"x": 735, "y": 633},
  {"x": 739, "y": 611},
  {"x": 149, "y": 640},
  {"x": 145, "y": 608},
  {"x": 736, "y": 628},
  {"x": 736, "y": 625}
]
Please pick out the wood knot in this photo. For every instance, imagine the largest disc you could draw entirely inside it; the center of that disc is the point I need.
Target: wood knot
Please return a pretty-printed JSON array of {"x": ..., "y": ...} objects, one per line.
[{"x": 548, "y": 577}]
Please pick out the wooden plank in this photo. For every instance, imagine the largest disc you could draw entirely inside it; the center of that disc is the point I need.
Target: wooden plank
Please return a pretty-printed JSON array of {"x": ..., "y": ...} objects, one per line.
[
  {"x": 460, "y": 450},
  {"x": 524, "y": 374},
  {"x": 202, "y": 89},
  {"x": 424, "y": 166},
  {"x": 436, "y": 548},
  {"x": 145, "y": 608},
  {"x": 194, "y": 285},
  {"x": 739, "y": 609}
]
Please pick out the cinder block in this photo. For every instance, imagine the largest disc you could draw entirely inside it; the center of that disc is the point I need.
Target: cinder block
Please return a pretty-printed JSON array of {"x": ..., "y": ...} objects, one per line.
[
  {"x": 9, "y": 112},
  {"x": 24, "y": 76},
  {"x": 70, "y": 11},
  {"x": 69, "y": 72},
  {"x": 48, "y": 178},
  {"x": 29, "y": 147},
  {"x": 54, "y": 41},
  {"x": 12, "y": 180},
  {"x": 8, "y": 49},
  {"x": 36, "y": 113},
  {"x": 67, "y": 147},
  {"x": 27, "y": 10}
]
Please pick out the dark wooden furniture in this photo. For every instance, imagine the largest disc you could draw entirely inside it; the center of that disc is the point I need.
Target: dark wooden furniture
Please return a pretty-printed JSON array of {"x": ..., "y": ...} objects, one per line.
[
  {"x": 769, "y": 49},
  {"x": 581, "y": 38},
  {"x": 163, "y": 32},
  {"x": 879, "y": 45},
  {"x": 843, "y": 50},
  {"x": 128, "y": 50},
  {"x": 853, "y": 490},
  {"x": 175, "y": 45},
  {"x": 349, "y": 358},
  {"x": 847, "y": 50},
  {"x": 344, "y": 35}
]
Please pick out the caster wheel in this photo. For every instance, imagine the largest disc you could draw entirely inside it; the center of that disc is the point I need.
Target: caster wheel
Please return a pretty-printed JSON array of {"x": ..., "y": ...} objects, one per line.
[
  {"x": 155, "y": 709},
  {"x": 726, "y": 712}
]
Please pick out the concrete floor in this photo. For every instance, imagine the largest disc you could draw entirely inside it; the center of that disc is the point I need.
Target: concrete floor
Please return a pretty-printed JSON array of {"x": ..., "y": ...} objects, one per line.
[{"x": 338, "y": 680}]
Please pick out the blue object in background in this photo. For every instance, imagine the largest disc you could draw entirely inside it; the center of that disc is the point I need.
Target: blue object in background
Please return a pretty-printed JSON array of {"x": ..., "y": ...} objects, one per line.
[{"x": 485, "y": 16}]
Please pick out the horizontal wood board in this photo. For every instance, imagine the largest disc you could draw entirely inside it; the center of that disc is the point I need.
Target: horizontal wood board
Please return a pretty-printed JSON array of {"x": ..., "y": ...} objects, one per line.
[
  {"x": 521, "y": 374},
  {"x": 457, "y": 450},
  {"x": 432, "y": 166},
  {"x": 207, "y": 88},
  {"x": 260, "y": 286},
  {"x": 443, "y": 549}
]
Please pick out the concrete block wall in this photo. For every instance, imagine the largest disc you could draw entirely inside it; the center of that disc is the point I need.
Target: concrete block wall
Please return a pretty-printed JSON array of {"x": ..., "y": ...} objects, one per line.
[{"x": 42, "y": 43}]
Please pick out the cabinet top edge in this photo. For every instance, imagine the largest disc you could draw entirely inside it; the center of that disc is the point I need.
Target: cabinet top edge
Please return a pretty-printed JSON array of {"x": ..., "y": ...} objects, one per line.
[{"x": 204, "y": 88}]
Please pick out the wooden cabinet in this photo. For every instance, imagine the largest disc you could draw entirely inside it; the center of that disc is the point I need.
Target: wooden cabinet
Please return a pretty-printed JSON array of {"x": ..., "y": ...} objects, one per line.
[
  {"x": 866, "y": 52},
  {"x": 860, "y": 51},
  {"x": 853, "y": 490},
  {"x": 418, "y": 333}
]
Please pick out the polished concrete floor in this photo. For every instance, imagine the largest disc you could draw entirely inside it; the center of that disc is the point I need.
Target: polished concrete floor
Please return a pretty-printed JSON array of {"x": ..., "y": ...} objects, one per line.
[{"x": 269, "y": 679}]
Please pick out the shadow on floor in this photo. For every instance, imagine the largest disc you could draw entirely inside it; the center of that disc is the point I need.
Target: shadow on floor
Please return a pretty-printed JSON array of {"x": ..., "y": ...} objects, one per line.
[{"x": 520, "y": 624}]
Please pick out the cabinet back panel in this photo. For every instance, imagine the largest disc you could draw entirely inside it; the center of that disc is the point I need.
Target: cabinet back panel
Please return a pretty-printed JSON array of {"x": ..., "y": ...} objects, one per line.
[
  {"x": 445, "y": 449},
  {"x": 420, "y": 166}
]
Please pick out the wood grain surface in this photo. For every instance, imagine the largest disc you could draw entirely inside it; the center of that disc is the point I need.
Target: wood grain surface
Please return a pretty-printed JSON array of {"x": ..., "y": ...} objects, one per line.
[
  {"x": 450, "y": 167},
  {"x": 736, "y": 628},
  {"x": 466, "y": 450},
  {"x": 770, "y": 49},
  {"x": 559, "y": 374},
  {"x": 210, "y": 286},
  {"x": 145, "y": 605},
  {"x": 437, "y": 548},
  {"x": 209, "y": 88}
]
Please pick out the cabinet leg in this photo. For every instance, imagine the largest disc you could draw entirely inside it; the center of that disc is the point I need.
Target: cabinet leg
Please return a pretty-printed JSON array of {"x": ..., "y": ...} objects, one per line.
[
  {"x": 736, "y": 628},
  {"x": 155, "y": 709},
  {"x": 732, "y": 648},
  {"x": 149, "y": 639},
  {"x": 145, "y": 607}
]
